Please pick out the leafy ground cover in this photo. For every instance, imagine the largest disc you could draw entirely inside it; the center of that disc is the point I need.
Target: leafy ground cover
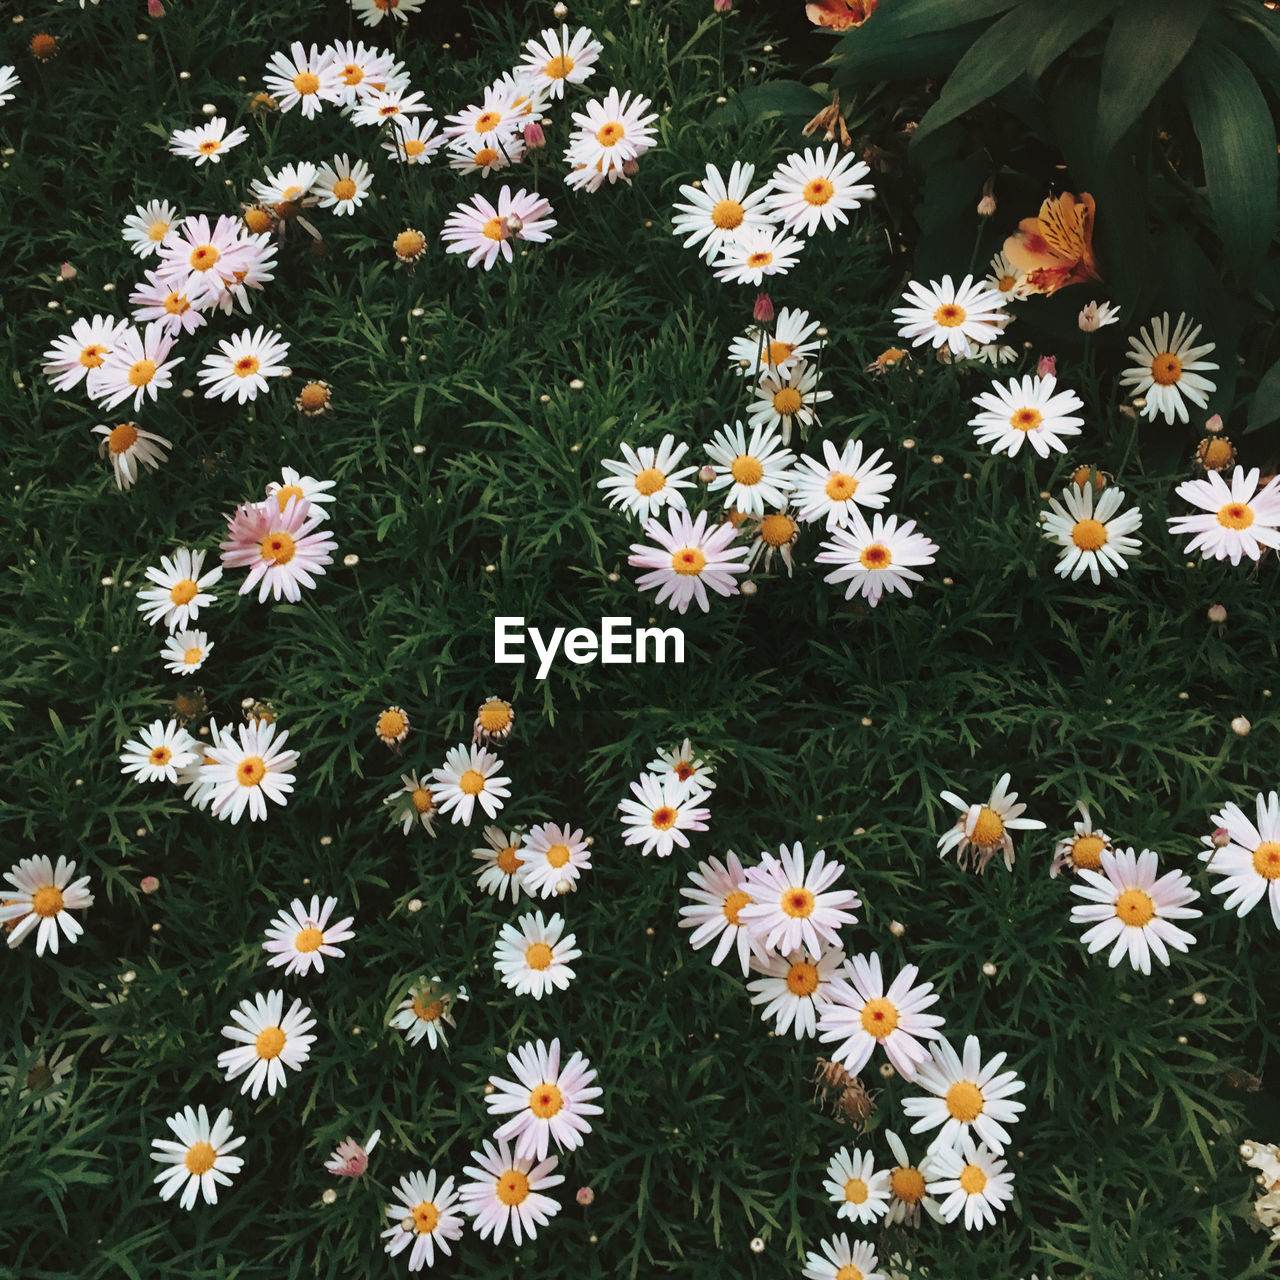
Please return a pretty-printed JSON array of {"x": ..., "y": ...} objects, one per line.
[{"x": 471, "y": 414}]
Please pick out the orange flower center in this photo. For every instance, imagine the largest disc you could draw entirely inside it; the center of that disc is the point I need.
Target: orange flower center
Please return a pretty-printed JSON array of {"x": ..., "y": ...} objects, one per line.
[
  {"x": 780, "y": 352},
  {"x": 278, "y": 547},
  {"x": 777, "y": 530},
  {"x": 1089, "y": 535},
  {"x": 545, "y": 1101},
  {"x": 949, "y": 315},
  {"x": 427, "y": 1012},
  {"x": 988, "y": 830},
  {"x": 650, "y": 481},
  {"x": 160, "y": 756},
  {"x": 306, "y": 82},
  {"x": 204, "y": 256},
  {"x": 1235, "y": 515},
  {"x": 47, "y": 901},
  {"x": 727, "y": 215},
  {"x": 538, "y": 956},
  {"x": 422, "y": 799},
  {"x": 471, "y": 783},
  {"x": 973, "y": 1180},
  {"x": 797, "y": 902},
  {"x": 270, "y": 1042},
  {"x": 425, "y": 1218},
  {"x": 1135, "y": 908},
  {"x": 392, "y": 723},
  {"x": 802, "y": 978},
  {"x": 734, "y": 903},
  {"x": 494, "y": 716},
  {"x": 509, "y": 864},
  {"x": 344, "y": 188},
  {"x": 1266, "y": 860},
  {"x": 1026, "y": 419},
  {"x": 408, "y": 244},
  {"x": 964, "y": 1101},
  {"x": 558, "y": 855},
  {"x": 315, "y": 395},
  {"x": 664, "y": 818},
  {"x": 818, "y": 192},
  {"x": 787, "y": 401},
  {"x": 1166, "y": 369},
  {"x": 746, "y": 469},
  {"x": 907, "y": 1183},
  {"x": 512, "y": 1188},
  {"x": 199, "y": 1158},
  {"x": 688, "y": 562},
  {"x": 91, "y": 356},
  {"x": 122, "y": 438},
  {"x": 1086, "y": 852},
  {"x": 608, "y": 135},
  {"x": 183, "y": 592},
  {"x": 876, "y": 556},
  {"x": 246, "y": 366},
  {"x": 879, "y": 1017},
  {"x": 557, "y": 68},
  {"x": 308, "y": 939},
  {"x": 856, "y": 1191},
  {"x": 250, "y": 771},
  {"x": 141, "y": 373},
  {"x": 840, "y": 487},
  {"x": 209, "y": 146},
  {"x": 761, "y": 259}
]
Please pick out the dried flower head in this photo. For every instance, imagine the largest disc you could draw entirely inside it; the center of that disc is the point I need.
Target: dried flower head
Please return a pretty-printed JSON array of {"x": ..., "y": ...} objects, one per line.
[
  {"x": 1215, "y": 453},
  {"x": 314, "y": 399},
  {"x": 392, "y": 727}
]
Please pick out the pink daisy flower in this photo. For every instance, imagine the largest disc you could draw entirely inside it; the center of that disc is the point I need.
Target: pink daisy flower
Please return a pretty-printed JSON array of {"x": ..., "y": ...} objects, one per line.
[
  {"x": 689, "y": 558},
  {"x": 550, "y": 1101},
  {"x": 279, "y": 548},
  {"x": 792, "y": 907},
  {"x": 200, "y": 261},
  {"x": 484, "y": 231}
]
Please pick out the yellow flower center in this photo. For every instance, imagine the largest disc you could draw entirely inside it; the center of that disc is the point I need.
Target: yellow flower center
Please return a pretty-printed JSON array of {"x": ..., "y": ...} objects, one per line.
[
  {"x": 306, "y": 82},
  {"x": 192, "y": 656},
  {"x": 287, "y": 491},
  {"x": 91, "y": 356},
  {"x": 1135, "y": 908},
  {"x": 158, "y": 230},
  {"x": 425, "y": 1217},
  {"x": 608, "y": 135},
  {"x": 471, "y": 783},
  {"x": 270, "y": 1042},
  {"x": 949, "y": 315},
  {"x": 199, "y": 1158},
  {"x": 208, "y": 146},
  {"x": 122, "y": 438},
  {"x": 650, "y": 481},
  {"x": 176, "y": 304},
  {"x": 545, "y": 1101},
  {"x": 840, "y": 486},
  {"x": 141, "y": 373},
  {"x": 802, "y": 978},
  {"x": 538, "y": 956},
  {"x": 1089, "y": 535},
  {"x": 512, "y": 1188},
  {"x": 278, "y": 547},
  {"x": 856, "y": 1191},
  {"x": 879, "y": 1017},
  {"x": 1266, "y": 860},
  {"x": 964, "y": 1101},
  {"x": 414, "y": 146},
  {"x": 308, "y": 939},
  {"x": 495, "y": 716},
  {"x": 484, "y": 157},
  {"x": 734, "y": 903},
  {"x": 746, "y": 469},
  {"x": 160, "y": 756},
  {"x": 728, "y": 215},
  {"x": 876, "y": 556},
  {"x": 315, "y": 395},
  {"x": 257, "y": 220},
  {"x": 818, "y": 192},
  {"x": 848, "y": 1272},
  {"x": 988, "y": 830},
  {"x": 780, "y": 352},
  {"x": 664, "y": 818},
  {"x": 787, "y": 401},
  {"x": 392, "y": 723},
  {"x": 1086, "y": 852},
  {"x": 422, "y": 799},
  {"x": 182, "y": 592},
  {"x": 47, "y": 901},
  {"x": 1166, "y": 369},
  {"x": 204, "y": 256},
  {"x": 777, "y": 530},
  {"x": 495, "y": 229},
  {"x": 557, "y": 68},
  {"x": 907, "y": 1183},
  {"x": 408, "y": 244},
  {"x": 1006, "y": 282},
  {"x": 688, "y": 561},
  {"x": 1235, "y": 515},
  {"x": 344, "y": 188},
  {"x": 761, "y": 259},
  {"x": 427, "y": 1012},
  {"x": 250, "y": 771},
  {"x": 246, "y": 366},
  {"x": 352, "y": 74},
  {"x": 797, "y": 902},
  {"x": 558, "y": 855},
  {"x": 487, "y": 120},
  {"x": 1025, "y": 419},
  {"x": 508, "y": 863},
  {"x": 973, "y": 1180},
  {"x": 1216, "y": 453}
]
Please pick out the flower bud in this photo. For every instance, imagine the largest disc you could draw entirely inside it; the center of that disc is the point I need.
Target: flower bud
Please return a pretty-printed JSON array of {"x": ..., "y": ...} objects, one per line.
[
  {"x": 148, "y": 884},
  {"x": 67, "y": 272},
  {"x": 155, "y": 9},
  {"x": 1221, "y": 837},
  {"x": 1217, "y": 613},
  {"x": 630, "y": 167},
  {"x": 585, "y": 1195},
  {"x": 534, "y": 138},
  {"x": 986, "y": 206},
  {"x": 1214, "y": 424},
  {"x": 1047, "y": 367},
  {"x": 722, "y": 6},
  {"x": 763, "y": 310},
  {"x": 1240, "y": 726},
  {"x": 707, "y": 474}
]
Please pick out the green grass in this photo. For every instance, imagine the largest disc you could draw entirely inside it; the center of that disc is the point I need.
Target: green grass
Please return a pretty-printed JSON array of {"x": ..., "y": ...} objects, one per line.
[{"x": 1125, "y": 1160}]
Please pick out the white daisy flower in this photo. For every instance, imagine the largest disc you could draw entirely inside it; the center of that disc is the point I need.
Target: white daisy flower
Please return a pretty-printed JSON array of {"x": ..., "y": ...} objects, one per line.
[
  {"x": 533, "y": 958},
  {"x": 969, "y": 1097},
  {"x": 207, "y": 141},
  {"x": 301, "y": 937},
  {"x": 194, "y": 777},
  {"x": 1092, "y": 531},
  {"x": 138, "y": 366},
  {"x": 718, "y": 210},
  {"x": 493, "y": 122},
  {"x": 162, "y": 750},
  {"x": 795, "y": 907},
  {"x": 148, "y": 225},
  {"x": 1241, "y": 519},
  {"x": 757, "y": 252},
  {"x": 857, "y": 1186},
  {"x": 818, "y": 186},
  {"x": 1007, "y": 280},
  {"x": 37, "y": 1079},
  {"x": 81, "y": 354},
  {"x": 1168, "y": 367},
  {"x": 773, "y": 350},
  {"x": 414, "y": 140},
  {"x": 689, "y": 558},
  {"x": 944, "y": 315},
  {"x": 862, "y": 1015},
  {"x": 719, "y": 900},
  {"x": 38, "y": 898},
  {"x": 647, "y": 479},
  {"x": 414, "y": 804},
  {"x": 551, "y": 856},
  {"x": 909, "y": 1187},
  {"x": 180, "y": 591},
  {"x": 186, "y": 651},
  {"x": 372, "y": 12},
  {"x": 304, "y": 488},
  {"x": 500, "y": 866},
  {"x": 343, "y": 185},
  {"x": 199, "y": 1161},
  {"x": 423, "y": 1216},
  {"x": 268, "y": 1040},
  {"x": 982, "y": 830},
  {"x": 1132, "y": 909},
  {"x": 243, "y": 364},
  {"x": 830, "y": 490},
  {"x": 610, "y": 132},
  {"x": 304, "y": 76},
  {"x": 971, "y": 1180},
  {"x": 1083, "y": 849},
  {"x": 290, "y": 186},
  {"x": 505, "y": 1191},
  {"x": 155, "y": 299},
  {"x": 842, "y": 1261},
  {"x": 484, "y": 160},
  {"x": 281, "y": 549},
  {"x": 469, "y": 776},
  {"x": 362, "y": 71},
  {"x": 549, "y": 1101},
  {"x": 875, "y": 558},
  {"x": 1250, "y": 863},
  {"x": 661, "y": 813},
  {"x": 130, "y": 448},
  {"x": 9, "y": 81},
  {"x": 248, "y": 773},
  {"x": 557, "y": 60},
  {"x": 1096, "y": 315},
  {"x": 1026, "y": 410},
  {"x": 784, "y": 400},
  {"x": 425, "y": 1010},
  {"x": 395, "y": 102},
  {"x": 681, "y": 764},
  {"x": 756, "y": 472},
  {"x": 794, "y": 987}
]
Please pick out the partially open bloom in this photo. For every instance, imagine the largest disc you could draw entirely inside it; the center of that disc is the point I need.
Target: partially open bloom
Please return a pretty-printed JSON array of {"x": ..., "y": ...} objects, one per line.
[
  {"x": 1165, "y": 367},
  {"x": 1096, "y": 315},
  {"x": 689, "y": 558},
  {"x": 351, "y": 1158},
  {"x": 413, "y": 803},
  {"x": 1083, "y": 849},
  {"x": 39, "y": 897},
  {"x": 982, "y": 830},
  {"x": 1056, "y": 248},
  {"x": 681, "y": 764},
  {"x": 200, "y": 1160},
  {"x": 1240, "y": 518},
  {"x": 131, "y": 448},
  {"x": 425, "y": 1010},
  {"x": 281, "y": 549}
]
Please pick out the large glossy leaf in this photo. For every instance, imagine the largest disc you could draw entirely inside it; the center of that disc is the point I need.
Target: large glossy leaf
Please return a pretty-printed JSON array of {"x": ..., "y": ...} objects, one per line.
[
  {"x": 906, "y": 19},
  {"x": 1265, "y": 406},
  {"x": 1148, "y": 40},
  {"x": 776, "y": 98},
  {"x": 1238, "y": 143},
  {"x": 1062, "y": 29},
  {"x": 934, "y": 53}
]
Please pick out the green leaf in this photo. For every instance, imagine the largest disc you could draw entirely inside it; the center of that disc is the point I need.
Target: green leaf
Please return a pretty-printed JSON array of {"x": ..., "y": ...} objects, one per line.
[
  {"x": 1148, "y": 41},
  {"x": 777, "y": 98},
  {"x": 932, "y": 54},
  {"x": 899, "y": 19},
  {"x": 1238, "y": 143},
  {"x": 1264, "y": 408},
  {"x": 1061, "y": 30}
]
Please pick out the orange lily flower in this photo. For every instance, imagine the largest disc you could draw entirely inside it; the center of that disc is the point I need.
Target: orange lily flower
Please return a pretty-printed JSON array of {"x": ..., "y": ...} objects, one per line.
[
  {"x": 1056, "y": 248},
  {"x": 840, "y": 15}
]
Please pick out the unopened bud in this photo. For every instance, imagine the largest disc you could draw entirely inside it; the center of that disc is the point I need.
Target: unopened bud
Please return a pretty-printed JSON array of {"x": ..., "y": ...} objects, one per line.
[
  {"x": 722, "y": 6},
  {"x": 986, "y": 206},
  {"x": 630, "y": 167},
  {"x": 155, "y": 9},
  {"x": 1214, "y": 424},
  {"x": 585, "y": 1195},
  {"x": 763, "y": 310},
  {"x": 67, "y": 272},
  {"x": 534, "y": 138},
  {"x": 1217, "y": 613},
  {"x": 1047, "y": 367},
  {"x": 514, "y": 222},
  {"x": 1221, "y": 837},
  {"x": 707, "y": 474},
  {"x": 1241, "y": 726},
  {"x": 148, "y": 884}
]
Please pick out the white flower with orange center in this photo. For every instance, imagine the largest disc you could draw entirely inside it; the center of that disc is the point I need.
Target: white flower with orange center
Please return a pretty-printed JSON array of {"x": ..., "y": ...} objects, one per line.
[
  {"x": 484, "y": 160},
  {"x": 200, "y": 262},
  {"x": 862, "y": 1015},
  {"x": 1095, "y": 315},
  {"x": 288, "y": 190},
  {"x": 154, "y": 299},
  {"x": 719, "y": 209},
  {"x": 1240, "y": 518},
  {"x": 395, "y": 102},
  {"x": 716, "y": 914},
  {"x": 909, "y": 1186},
  {"x": 1026, "y": 411},
  {"x": 281, "y": 549},
  {"x": 148, "y": 225},
  {"x": 552, "y": 856},
  {"x": 681, "y": 764},
  {"x": 787, "y": 400},
  {"x": 494, "y": 122},
  {"x": 200, "y": 1161},
  {"x": 794, "y": 906},
  {"x": 414, "y": 804},
  {"x": 648, "y": 479},
  {"x": 501, "y": 866},
  {"x": 857, "y": 1186},
  {"x": 507, "y": 1191},
  {"x": 79, "y": 355},
  {"x": 268, "y": 1041},
  {"x": 301, "y": 937},
  {"x": 372, "y": 12},
  {"x": 557, "y": 59},
  {"x": 249, "y": 772},
  {"x": 469, "y": 776},
  {"x": 362, "y": 71},
  {"x": 969, "y": 1097},
  {"x": 877, "y": 557},
  {"x": 971, "y": 1180},
  {"x": 831, "y": 489},
  {"x": 1249, "y": 863},
  {"x": 772, "y": 350},
  {"x": 8, "y": 82},
  {"x": 1007, "y": 280},
  {"x": 1092, "y": 531},
  {"x": 206, "y": 142},
  {"x": 424, "y": 1218},
  {"x": 242, "y": 365},
  {"x": 548, "y": 1100},
  {"x": 483, "y": 230},
  {"x": 138, "y": 366},
  {"x": 130, "y": 448},
  {"x": 840, "y": 1260},
  {"x": 181, "y": 591},
  {"x": 756, "y": 472},
  {"x": 37, "y": 899},
  {"x": 983, "y": 830},
  {"x": 818, "y": 186},
  {"x": 1082, "y": 850},
  {"x": 533, "y": 956},
  {"x": 757, "y": 252},
  {"x": 414, "y": 140},
  {"x": 1132, "y": 911},
  {"x": 426, "y": 1010},
  {"x": 943, "y": 315},
  {"x": 158, "y": 752},
  {"x": 794, "y": 987},
  {"x": 611, "y": 131},
  {"x": 661, "y": 813},
  {"x": 343, "y": 185},
  {"x": 184, "y": 652},
  {"x": 303, "y": 76},
  {"x": 691, "y": 556},
  {"x": 1168, "y": 366},
  {"x": 308, "y": 488}
]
